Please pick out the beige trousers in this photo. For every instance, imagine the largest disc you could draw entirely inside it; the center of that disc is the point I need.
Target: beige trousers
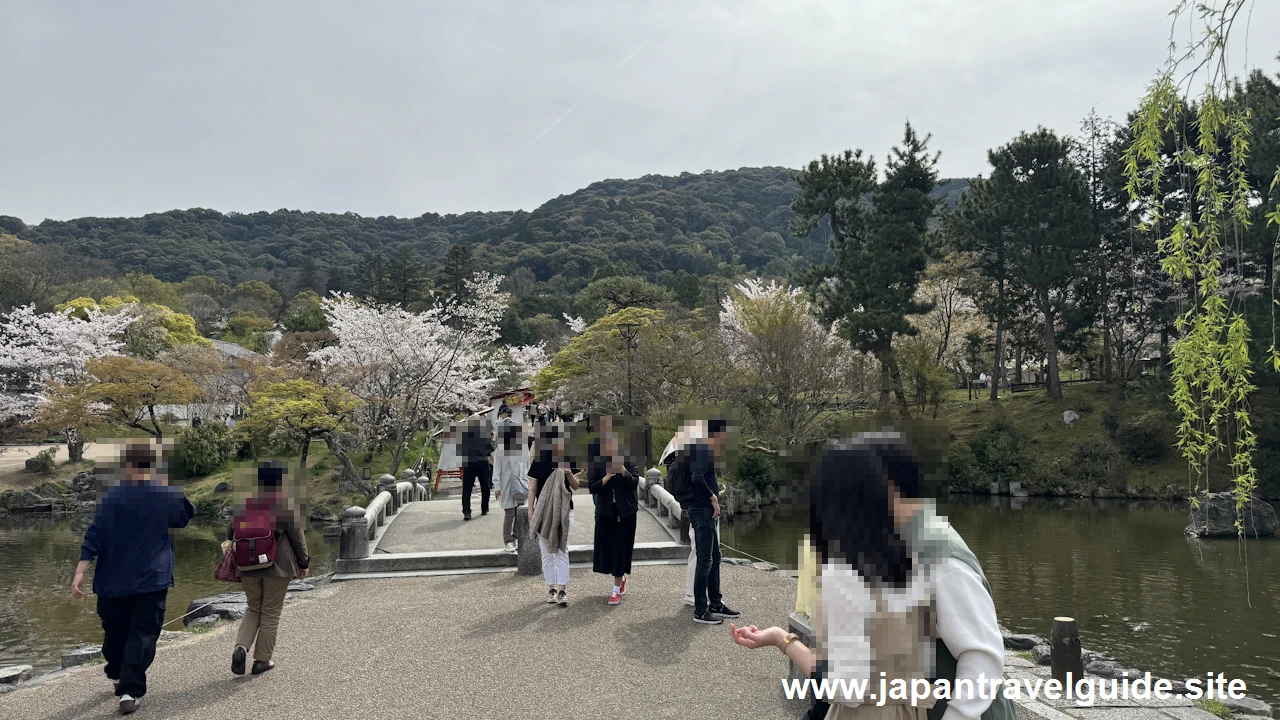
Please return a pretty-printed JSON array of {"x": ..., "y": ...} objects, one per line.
[{"x": 265, "y": 597}]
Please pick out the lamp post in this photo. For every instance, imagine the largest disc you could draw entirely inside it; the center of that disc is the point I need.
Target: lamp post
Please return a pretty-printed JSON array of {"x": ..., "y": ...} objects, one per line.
[{"x": 630, "y": 334}]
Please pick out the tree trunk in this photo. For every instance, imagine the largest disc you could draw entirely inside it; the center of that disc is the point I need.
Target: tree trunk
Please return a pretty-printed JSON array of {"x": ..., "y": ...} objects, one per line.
[
  {"x": 151, "y": 410},
  {"x": 306, "y": 448},
  {"x": 75, "y": 445},
  {"x": 885, "y": 382},
  {"x": 899, "y": 393},
  {"x": 348, "y": 476},
  {"x": 1052, "y": 382},
  {"x": 997, "y": 373}
]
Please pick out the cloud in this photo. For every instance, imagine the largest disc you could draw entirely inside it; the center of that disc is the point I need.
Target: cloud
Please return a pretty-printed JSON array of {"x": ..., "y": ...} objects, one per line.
[{"x": 405, "y": 108}]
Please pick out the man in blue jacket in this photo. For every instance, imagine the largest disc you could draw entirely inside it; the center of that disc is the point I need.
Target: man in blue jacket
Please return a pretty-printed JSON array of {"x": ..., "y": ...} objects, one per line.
[
  {"x": 704, "y": 516},
  {"x": 131, "y": 539}
]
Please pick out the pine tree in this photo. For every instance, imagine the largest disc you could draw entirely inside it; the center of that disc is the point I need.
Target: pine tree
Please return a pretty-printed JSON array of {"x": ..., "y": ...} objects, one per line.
[{"x": 878, "y": 242}]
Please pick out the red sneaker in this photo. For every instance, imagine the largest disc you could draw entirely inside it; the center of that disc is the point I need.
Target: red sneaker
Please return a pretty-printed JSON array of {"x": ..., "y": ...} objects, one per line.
[
  {"x": 615, "y": 597},
  {"x": 623, "y": 589}
]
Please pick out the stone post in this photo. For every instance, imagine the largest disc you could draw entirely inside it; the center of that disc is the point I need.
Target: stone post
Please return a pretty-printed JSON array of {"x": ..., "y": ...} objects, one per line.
[
  {"x": 528, "y": 554},
  {"x": 409, "y": 476},
  {"x": 684, "y": 526},
  {"x": 798, "y": 623},
  {"x": 428, "y": 480},
  {"x": 387, "y": 483},
  {"x": 354, "y": 542},
  {"x": 653, "y": 478}
]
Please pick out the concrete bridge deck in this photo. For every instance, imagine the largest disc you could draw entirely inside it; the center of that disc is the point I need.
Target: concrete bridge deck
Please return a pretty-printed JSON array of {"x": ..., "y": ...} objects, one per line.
[
  {"x": 431, "y": 537},
  {"x": 467, "y": 646}
]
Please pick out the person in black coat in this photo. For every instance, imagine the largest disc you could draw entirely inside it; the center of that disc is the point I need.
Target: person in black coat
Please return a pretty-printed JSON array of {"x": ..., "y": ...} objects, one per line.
[
  {"x": 612, "y": 481},
  {"x": 477, "y": 464}
]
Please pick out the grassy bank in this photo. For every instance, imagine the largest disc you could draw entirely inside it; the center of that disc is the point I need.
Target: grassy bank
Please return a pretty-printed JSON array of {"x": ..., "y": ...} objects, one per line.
[{"x": 1124, "y": 444}]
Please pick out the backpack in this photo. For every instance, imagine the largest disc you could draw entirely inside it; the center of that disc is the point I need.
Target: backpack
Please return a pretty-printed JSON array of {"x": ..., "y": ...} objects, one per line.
[
  {"x": 254, "y": 535},
  {"x": 679, "y": 475}
]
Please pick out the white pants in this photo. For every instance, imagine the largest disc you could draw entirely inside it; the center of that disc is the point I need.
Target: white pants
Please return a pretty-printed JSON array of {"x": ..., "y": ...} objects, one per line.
[
  {"x": 555, "y": 565},
  {"x": 693, "y": 560}
]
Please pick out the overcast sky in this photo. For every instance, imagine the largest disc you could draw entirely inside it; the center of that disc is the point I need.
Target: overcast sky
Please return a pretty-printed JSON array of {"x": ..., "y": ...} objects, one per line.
[{"x": 401, "y": 108}]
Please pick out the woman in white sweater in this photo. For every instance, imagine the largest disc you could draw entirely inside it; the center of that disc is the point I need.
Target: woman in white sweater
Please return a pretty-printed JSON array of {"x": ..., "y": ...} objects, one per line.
[{"x": 900, "y": 593}]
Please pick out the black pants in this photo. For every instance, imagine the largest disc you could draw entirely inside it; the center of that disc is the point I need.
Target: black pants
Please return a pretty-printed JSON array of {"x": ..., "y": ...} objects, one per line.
[
  {"x": 470, "y": 473},
  {"x": 706, "y": 578},
  {"x": 131, "y": 626}
]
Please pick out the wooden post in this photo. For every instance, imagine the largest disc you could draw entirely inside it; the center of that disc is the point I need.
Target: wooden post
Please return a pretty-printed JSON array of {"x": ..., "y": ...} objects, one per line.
[{"x": 1064, "y": 650}]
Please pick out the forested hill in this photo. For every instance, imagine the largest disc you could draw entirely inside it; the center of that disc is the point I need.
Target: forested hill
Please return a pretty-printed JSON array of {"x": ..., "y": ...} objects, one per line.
[{"x": 647, "y": 226}]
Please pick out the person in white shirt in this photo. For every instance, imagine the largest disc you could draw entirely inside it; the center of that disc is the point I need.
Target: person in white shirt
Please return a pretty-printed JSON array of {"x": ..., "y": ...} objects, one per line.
[{"x": 900, "y": 592}]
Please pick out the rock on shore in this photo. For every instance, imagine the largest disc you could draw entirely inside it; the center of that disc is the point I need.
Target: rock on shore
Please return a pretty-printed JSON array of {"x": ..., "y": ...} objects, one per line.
[{"x": 1216, "y": 517}]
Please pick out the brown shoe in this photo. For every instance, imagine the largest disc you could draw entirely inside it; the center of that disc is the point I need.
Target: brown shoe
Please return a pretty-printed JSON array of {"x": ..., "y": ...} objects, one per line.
[{"x": 129, "y": 704}]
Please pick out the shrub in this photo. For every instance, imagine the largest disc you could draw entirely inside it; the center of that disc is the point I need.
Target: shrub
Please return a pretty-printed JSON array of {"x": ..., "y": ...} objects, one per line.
[
  {"x": 997, "y": 454},
  {"x": 206, "y": 448},
  {"x": 43, "y": 462},
  {"x": 1143, "y": 441},
  {"x": 1111, "y": 422},
  {"x": 1097, "y": 462},
  {"x": 757, "y": 471}
]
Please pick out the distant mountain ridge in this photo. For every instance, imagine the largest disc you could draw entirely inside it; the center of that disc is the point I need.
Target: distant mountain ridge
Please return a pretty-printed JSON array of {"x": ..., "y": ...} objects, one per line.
[{"x": 652, "y": 225}]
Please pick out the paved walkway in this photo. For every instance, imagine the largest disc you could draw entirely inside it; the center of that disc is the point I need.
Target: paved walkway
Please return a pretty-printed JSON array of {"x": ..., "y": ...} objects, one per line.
[
  {"x": 437, "y": 525},
  {"x": 468, "y": 646}
]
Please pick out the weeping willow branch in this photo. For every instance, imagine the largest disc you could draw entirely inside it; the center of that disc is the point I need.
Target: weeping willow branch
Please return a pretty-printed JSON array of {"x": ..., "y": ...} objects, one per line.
[{"x": 1204, "y": 143}]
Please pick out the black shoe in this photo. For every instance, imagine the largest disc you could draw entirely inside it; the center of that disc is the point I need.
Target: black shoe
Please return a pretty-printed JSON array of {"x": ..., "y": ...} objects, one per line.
[
  {"x": 260, "y": 667},
  {"x": 707, "y": 618},
  {"x": 466, "y": 517},
  {"x": 724, "y": 611},
  {"x": 237, "y": 660}
]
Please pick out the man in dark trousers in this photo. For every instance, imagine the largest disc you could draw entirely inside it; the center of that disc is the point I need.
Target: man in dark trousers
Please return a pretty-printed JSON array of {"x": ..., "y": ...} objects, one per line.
[
  {"x": 477, "y": 464},
  {"x": 132, "y": 542},
  {"x": 704, "y": 516}
]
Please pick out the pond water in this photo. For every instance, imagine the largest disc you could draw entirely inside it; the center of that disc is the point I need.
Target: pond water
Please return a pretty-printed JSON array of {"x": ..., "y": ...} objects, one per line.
[
  {"x": 39, "y": 619},
  {"x": 1210, "y": 605}
]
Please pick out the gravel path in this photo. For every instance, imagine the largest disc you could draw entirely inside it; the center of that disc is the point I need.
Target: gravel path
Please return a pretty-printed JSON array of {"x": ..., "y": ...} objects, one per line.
[{"x": 468, "y": 646}]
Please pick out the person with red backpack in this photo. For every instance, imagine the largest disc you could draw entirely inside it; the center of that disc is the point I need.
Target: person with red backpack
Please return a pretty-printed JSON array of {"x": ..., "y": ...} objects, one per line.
[{"x": 270, "y": 550}]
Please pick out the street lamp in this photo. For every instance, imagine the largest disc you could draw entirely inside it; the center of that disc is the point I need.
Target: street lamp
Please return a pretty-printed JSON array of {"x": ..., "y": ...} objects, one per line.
[{"x": 630, "y": 334}]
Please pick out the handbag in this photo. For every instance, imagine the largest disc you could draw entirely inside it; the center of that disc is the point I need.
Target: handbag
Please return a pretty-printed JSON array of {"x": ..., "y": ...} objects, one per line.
[{"x": 226, "y": 570}]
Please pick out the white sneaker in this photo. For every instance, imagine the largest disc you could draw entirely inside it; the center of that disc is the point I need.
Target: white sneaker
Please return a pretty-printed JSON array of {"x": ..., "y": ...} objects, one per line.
[
  {"x": 129, "y": 704},
  {"x": 688, "y": 600},
  {"x": 511, "y": 547}
]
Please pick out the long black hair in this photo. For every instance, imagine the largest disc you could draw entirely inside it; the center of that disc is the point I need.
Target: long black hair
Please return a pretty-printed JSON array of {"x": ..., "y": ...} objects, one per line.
[{"x": 851, "y": 505}]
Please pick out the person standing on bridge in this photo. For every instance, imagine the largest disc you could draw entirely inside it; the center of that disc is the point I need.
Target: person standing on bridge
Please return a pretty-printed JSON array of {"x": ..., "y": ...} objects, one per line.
[
  {"x": 275, "y": 512},
  {"x": 612, "y": 481},
  {"x": 553, "y": 529},
  {"x": 510, "y": 472},
  {"x": 132, "y": 542},
  {"x": 901, "y": 597},
  {"x": 477, "y": 464}
]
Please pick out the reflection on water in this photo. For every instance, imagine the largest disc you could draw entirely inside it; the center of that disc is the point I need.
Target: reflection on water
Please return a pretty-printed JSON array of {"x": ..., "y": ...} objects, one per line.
[
  {"x": 1110, "y": 565},
  {"x": 38, "y": 617}
]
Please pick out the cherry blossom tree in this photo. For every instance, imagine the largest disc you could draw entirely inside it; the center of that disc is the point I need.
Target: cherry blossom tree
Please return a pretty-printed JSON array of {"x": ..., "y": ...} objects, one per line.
[
  {"x": 794, "y": 363},
  {"x": 412, "y": 369},
  {"x": 37, "y": 349},
  {"x": 42, "y": 351}
]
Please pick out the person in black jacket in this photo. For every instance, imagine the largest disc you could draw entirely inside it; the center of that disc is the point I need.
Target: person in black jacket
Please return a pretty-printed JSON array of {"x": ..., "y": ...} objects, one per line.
[
  {"x": 612, "y": 481},
  {"x": 477, "y": 464},
  {"x": 704, "y": 517}
]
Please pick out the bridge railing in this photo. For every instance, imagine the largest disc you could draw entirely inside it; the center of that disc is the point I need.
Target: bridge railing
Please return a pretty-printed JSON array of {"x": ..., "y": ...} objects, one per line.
[
  {"x": 360, "y": 524},
  {"x": 654, "y": 495}
]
